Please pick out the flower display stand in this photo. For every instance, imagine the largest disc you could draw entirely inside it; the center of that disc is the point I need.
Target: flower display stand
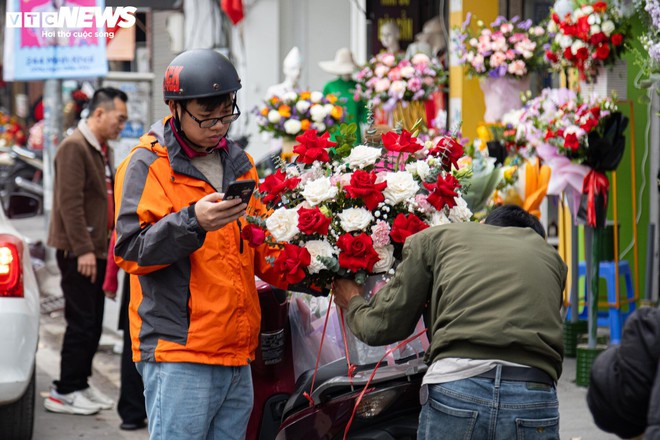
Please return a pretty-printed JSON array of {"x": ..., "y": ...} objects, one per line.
[
  {"x": 611, "y": 79},
  {"x": 572, "y": 332},
  {"x": 407, "y": 112},
  {"x": 287, "y": 148},
  {"x": 585, "y": 359}
]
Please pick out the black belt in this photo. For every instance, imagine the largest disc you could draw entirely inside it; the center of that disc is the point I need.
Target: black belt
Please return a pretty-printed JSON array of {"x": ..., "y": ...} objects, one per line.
[{"x": 520, "y": 374}]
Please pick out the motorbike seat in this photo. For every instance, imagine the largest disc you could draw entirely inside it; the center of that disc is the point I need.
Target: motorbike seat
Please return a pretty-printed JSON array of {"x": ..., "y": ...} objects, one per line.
[{"x": 304, "y": 383}]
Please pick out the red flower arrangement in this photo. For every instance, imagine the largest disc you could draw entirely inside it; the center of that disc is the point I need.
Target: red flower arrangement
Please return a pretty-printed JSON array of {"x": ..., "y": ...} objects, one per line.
[
  {"x": 350, "y": 209},
  {"x": 590, "y": 37}
]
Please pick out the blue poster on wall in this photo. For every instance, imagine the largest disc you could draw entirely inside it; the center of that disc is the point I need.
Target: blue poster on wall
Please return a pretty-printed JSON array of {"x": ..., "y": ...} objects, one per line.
[{"x": 47, "y": 39}]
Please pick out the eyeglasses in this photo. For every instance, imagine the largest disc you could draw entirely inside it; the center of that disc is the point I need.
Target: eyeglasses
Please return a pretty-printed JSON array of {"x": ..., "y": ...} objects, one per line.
[{"x": 210, "y": 122}]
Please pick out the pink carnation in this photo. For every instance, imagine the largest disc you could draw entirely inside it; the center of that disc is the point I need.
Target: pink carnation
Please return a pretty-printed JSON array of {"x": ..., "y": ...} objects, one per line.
[{"x": 380, "y": 234}]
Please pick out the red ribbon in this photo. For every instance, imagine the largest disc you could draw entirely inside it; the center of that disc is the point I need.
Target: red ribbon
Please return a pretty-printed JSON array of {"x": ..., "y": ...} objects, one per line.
[{"x": 595, "y": 183}]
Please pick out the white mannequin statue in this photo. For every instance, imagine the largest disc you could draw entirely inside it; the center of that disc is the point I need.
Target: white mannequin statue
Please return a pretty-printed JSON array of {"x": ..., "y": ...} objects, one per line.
[
  {"x": 389, "y": 37},
  {"x": 421, "y": 45},
  {"x": 434, "y": 31},
  {"x": 291, "y": 68}
]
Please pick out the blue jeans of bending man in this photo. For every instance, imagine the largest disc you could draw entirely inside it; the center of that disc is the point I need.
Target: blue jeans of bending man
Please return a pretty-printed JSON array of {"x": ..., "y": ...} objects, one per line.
[
  {"x": 489, "y": 409},
  {"x": 188, "y": 401}
]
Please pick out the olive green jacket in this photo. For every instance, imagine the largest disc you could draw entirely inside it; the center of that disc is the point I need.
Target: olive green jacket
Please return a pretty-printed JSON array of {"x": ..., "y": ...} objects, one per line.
[{"x": 485, "y": 292}]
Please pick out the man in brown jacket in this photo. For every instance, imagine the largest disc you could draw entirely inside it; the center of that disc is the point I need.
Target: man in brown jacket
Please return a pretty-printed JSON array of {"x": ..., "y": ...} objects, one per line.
[{"x": 82, "y": 219}]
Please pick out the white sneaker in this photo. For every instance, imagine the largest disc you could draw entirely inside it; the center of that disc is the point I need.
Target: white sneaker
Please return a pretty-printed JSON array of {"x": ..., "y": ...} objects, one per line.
[
  {"x": 71, "y": 403},
  {"x": 97, "y": 397}
]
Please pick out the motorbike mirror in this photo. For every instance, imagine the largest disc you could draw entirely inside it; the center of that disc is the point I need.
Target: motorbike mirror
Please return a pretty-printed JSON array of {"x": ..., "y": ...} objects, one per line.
[{"x": 22, "y": 206}]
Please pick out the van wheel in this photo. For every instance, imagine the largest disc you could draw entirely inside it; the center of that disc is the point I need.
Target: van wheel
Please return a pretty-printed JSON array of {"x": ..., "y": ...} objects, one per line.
[{"x": 17, "y": 419}]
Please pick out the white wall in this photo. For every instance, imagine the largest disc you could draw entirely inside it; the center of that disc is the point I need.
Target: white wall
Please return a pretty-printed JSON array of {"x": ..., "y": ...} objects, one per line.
[{"x": 270, "y": 29}]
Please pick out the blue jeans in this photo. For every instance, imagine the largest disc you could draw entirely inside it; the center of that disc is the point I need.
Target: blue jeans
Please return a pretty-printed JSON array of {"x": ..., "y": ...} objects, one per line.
[
  {"x": 188, "y": 401},
  {"x": 487, "y": 409}
]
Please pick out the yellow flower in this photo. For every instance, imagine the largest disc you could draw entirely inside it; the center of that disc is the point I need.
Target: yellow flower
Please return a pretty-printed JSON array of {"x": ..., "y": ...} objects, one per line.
[
  {"x": 483, "y": 133},
  {"x": 284, "y": 110},
  {"x": 264, "y": 111},
  {"x": 305, "y": 124},
  {"x": 331, "y": 98},
  {"x": 305, "y": 95},
  {"x": 337, "y": 112}
]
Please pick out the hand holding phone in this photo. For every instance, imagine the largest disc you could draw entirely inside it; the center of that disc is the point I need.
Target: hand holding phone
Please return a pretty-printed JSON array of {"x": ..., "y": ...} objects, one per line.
[{"x": 240, "y": 189}]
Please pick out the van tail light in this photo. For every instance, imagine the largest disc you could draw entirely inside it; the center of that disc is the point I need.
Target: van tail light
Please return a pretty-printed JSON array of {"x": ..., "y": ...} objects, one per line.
[{"x": 11, "y": 269}]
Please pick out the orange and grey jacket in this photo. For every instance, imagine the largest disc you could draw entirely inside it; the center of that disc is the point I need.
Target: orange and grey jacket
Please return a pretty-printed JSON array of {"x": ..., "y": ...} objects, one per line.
[{"x": 193, "y": 294}]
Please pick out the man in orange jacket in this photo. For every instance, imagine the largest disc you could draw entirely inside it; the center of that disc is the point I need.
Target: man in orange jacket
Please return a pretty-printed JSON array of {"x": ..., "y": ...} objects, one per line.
[{"x": 194, "y": 311}]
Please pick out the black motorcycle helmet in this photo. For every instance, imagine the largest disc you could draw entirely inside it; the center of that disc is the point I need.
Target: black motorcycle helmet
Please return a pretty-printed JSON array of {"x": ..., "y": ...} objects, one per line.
[{"x": 199, "y": 73}]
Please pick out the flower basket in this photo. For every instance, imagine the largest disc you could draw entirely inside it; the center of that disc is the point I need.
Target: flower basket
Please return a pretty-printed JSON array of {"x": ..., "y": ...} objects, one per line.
[
  {"x": 608, "y": 81},
  {"x": 501, "y": 95},
  {"x": 585, "y": 359},
  {"x": 360, "y": 353}
]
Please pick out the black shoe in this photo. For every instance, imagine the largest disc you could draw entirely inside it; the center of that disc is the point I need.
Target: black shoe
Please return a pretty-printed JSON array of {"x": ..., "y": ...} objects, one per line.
[{"x": 132, "y": 426}]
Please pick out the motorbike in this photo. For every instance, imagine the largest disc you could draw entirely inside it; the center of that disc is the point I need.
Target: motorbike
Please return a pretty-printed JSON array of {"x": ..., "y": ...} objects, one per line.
[
  {"x": 25, "y": 176},
  {"x": 388, "y": 407}
]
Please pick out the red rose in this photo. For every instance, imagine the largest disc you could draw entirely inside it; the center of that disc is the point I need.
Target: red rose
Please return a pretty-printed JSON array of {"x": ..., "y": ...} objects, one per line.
[
  {"x": 449, "y": 150},
  {"x": 406, "y": 225},
  {"x": 555, "y": 17},
  {"x": 275, "y": 185},
  {"x": 582, "y": 54},
  {"x": 357, "y": 252},
  {"x": 551, "y": 56},
  {"x": 617, "y": 39},
  {"x": 583, "y": 28},
  {"x": 253, "y": 234},
  {"x": 291, "y": 262},
  {"x": 599, "y": 6},
  {"x": 404, "y": 142},
  {"x": 312, "y": 221},
  {"x": 598, "y": 38},
  {"x": 571, "y": 142},
  {"x": 313, "y": 147},
  {"x": 568, "y": 54},
  {"x": 443, "y": 192},
  {"x": 602, "y": 52},
  {"x": 363, "y": 186}
]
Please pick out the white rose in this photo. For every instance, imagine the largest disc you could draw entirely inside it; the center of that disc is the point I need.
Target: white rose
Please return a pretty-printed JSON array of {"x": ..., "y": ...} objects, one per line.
[
  {"x": 438, "y": 218},
  {"x": 328, "y": 108},
  {"x": 317, "y": 113},
  {"x": 290, "y": 97},
  {"x": 594, "y": 29},
  {"x": 292, "y": 126},
  {"x": 274, "y": 116},
  {"x": 386, "y": 255},
  {"x": 407, "y": 71},
  {"x": 316, "y": 97},
  {"x": 319, "y": 190},
  {"x": 355, "y": 219},
  {"x": 460, "y": 212},
  {"x": 363, "y": 156},
  {"x": 381, "y": 71},
  {"x": 565, "y": 41},
  {"x": 421, "y": 168},
  {"x": 400, "y": 186},
  {"x": 318, "y": 248},
  {"x": 607, "y": 27},
  {"x": 319, "y": 126},
  {"x": 283, "y": 224},
  {"x": 398, "y": 88},
  {"x": 302, "y": 106},
  {"x": 577, "y": 45}
]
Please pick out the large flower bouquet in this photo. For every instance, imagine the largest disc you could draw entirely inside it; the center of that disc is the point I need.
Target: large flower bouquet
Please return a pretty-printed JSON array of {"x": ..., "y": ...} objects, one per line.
[
  {"x": 569, "y": 130},
  {"x": 388, "y": 79},
  {"x": 296, "y": 112},
  {"x": 592, "y": 36},
  {"x": 344, "y": 210},
  {"x": 506, "y": 48}
]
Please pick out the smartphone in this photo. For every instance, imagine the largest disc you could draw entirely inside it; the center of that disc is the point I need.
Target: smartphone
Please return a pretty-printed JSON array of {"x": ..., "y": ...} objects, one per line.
[{"x": 240, "y": 189}]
